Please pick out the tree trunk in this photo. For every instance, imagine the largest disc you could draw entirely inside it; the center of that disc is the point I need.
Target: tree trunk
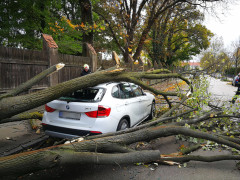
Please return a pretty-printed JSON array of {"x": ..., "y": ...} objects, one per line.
[{"x": 86, "y": 10}]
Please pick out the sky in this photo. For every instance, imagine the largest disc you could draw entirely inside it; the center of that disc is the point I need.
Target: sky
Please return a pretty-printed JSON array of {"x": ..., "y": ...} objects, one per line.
[{"x": 227, "y": 25}]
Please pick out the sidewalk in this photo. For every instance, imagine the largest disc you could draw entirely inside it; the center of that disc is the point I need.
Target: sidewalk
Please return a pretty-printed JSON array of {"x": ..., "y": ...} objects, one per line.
[{"x": 18, "y": 135}]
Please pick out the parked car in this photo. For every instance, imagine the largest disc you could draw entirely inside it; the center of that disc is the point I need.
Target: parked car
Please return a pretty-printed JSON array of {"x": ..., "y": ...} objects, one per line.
[
  {"x": 107, "y": 107},
  {"x": 235, "y": 81}
]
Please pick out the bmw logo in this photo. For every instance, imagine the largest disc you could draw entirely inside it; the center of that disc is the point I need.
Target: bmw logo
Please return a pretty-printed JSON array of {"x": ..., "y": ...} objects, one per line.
[{"x": 67, "y": 107}]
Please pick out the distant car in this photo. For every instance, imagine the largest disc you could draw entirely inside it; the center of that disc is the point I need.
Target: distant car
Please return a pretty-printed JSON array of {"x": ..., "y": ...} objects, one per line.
[
  {"x": 235, "y": 81},
  {"x": 107, "y": 107}
]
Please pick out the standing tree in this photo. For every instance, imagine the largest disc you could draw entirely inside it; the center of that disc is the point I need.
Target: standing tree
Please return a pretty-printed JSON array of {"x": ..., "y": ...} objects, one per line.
[
  {"x": 129, "y": 22},
  {"x": 215, "y": 59},
  {"x": 87, "y": 18},
  {"x": 177, "y": 35}
]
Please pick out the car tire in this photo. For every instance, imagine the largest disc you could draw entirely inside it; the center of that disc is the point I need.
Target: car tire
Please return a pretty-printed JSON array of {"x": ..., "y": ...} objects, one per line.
[
  {"x": 123, "y": 124},
  {"x": 152, "y": 112}
]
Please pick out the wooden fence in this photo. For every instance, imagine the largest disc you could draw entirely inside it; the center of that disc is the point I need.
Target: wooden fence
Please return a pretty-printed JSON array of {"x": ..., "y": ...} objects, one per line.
[{"x": 18, "y": 65}]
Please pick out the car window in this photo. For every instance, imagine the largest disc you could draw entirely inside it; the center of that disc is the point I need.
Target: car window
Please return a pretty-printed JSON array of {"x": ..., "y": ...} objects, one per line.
[
  {"x": 126, "y": 90},
  {"x": 122, "y": 91},
  {"x": 85, "y": 95},
  {"x": 115, "y": 92},
  {"x": 137, "y": 89},
  {"x": 118, "y": 92}
]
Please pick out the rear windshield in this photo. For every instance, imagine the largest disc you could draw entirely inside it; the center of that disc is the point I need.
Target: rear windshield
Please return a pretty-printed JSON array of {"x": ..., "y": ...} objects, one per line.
[{"x": 85, "y": 95}]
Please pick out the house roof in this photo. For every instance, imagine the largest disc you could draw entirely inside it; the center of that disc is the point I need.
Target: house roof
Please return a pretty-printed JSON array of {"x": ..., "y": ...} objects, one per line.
[
  {"x": 194, "y": 63},
  {"x": 50, "y": 42}
]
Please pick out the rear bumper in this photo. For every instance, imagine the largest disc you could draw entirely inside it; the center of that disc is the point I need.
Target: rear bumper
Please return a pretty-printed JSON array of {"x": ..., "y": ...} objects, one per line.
[{"x": 65, "y": 133}]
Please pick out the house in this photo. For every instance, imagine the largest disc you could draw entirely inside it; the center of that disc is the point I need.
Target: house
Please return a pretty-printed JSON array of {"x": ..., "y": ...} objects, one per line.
[
  {"x": 191, "y": 65},
  {"x": 194, "y": 65}
]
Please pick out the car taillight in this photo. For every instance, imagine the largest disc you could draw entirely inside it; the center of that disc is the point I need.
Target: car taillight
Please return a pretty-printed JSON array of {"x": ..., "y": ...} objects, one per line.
[
  {"x": 49, "y": 109},
  {"x": 101, "y": 112},
  {"x": 96, "y": 132}
]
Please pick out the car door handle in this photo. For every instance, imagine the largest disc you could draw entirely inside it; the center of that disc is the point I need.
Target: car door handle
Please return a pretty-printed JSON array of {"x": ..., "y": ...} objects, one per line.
[{"x": 126, "y": 103}]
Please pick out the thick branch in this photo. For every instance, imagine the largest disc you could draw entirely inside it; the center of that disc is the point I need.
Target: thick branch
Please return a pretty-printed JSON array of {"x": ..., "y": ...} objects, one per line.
[
  {"x": 23, "y": 116},
  {"x": 13, "y": 105},
  {"x": 24, "y": 163},
  {"x": 199, "y": 158},
  {"x": 146, "y": 125}
]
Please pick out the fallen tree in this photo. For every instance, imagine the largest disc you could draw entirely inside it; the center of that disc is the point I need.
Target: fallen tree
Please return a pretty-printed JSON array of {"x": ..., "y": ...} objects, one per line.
[
  {"x": 111, "y": 148},
  {"x": 11, "y": 105}
]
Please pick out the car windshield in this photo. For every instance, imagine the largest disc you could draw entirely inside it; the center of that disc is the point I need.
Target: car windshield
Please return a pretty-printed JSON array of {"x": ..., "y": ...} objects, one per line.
[{"x": 85, "y": 95}]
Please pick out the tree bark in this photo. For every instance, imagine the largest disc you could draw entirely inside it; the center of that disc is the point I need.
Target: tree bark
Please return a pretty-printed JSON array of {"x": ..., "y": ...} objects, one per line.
[
  {"x": 30, "y": 162},
  {"x": 86, "y": 10},
  {"x": 23, "y": 116},
  {"x": 183, "y": 159}
]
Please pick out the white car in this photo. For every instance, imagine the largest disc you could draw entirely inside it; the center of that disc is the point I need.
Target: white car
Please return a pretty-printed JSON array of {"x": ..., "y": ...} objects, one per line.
[{"x": 107, "y": 107}]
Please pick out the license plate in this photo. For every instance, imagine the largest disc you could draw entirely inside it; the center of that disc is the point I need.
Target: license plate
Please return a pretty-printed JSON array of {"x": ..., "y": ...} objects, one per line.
[{"x": 69, "y": 115}]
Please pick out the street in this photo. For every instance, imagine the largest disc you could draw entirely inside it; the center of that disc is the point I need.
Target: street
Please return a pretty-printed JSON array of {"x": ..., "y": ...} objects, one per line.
[{"x": 221, "y": 90}]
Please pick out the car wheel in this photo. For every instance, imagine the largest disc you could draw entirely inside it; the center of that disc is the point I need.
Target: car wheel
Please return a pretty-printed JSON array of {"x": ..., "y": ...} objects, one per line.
[
  {"x": 152, "y": 112},
  {"x": 123, "y": 124}
]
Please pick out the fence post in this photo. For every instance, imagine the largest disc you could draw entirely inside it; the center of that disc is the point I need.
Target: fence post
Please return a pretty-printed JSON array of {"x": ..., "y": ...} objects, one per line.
[
  {"x": 93, "y": 55},
  {"x": 51, "y": 49}
]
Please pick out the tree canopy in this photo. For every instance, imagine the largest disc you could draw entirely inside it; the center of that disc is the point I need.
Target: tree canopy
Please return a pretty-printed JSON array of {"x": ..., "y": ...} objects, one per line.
[
  {"x": 177, "y": 35},
  {"x": 126, "y": 27}
]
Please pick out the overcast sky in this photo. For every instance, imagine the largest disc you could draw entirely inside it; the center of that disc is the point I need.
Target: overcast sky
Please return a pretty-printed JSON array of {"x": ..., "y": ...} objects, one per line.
[{"x": 228, "y": 24}]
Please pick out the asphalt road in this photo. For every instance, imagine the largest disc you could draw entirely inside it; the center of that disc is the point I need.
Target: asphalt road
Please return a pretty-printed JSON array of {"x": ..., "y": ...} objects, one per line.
[{"x": 221, "y": 90}]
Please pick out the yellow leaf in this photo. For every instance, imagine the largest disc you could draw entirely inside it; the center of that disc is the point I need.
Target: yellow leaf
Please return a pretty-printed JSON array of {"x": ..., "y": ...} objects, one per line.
[{"x": 82, "y": 25}]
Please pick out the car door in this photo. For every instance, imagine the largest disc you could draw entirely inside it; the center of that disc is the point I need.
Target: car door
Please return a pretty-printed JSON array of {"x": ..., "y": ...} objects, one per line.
[
  {"x": 143, "y": 101},
  {"x": 131, "y": 103}
]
